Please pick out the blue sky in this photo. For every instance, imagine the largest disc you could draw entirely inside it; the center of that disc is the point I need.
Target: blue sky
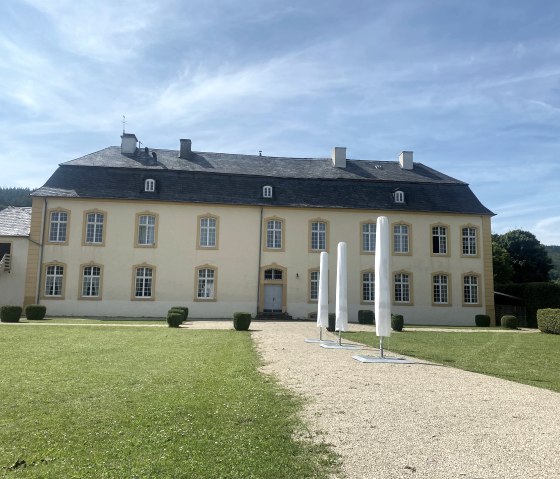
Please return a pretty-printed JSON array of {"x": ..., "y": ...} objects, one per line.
[{"x": 472, "y": 87}]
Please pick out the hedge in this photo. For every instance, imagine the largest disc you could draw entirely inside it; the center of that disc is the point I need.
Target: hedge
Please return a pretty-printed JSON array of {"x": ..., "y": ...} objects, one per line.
[
  {"x": 397, "y": 322},
  {"x": 482, "y": 320},
  {"x": 35, "y": 312},
  {"x": 241, "y": 321},
  {"x": 509, "y": 322},
  {"x": 549, "y": 320},
  {"x": 176, "y": 316},
  {"x": 536, "y": 296},
  {"x": 365, "y": 316},
  {"x": 10, "y": 314}
]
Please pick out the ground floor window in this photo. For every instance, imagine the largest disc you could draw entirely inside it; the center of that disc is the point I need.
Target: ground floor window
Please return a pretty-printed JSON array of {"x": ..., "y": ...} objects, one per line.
[
  {"x": 470, "y": 289},
  {"x": 314, "y": 285},
  {"x": 368, "y": 286},
  {"x": 440, "y": 285},
  {"x": 91, "y": 280},
  {"x": 206, "y": 283},
  {"x": 144, "y": 282},
  {"x": 402, "y": 288},
  {"x": 54, "y": 280}
]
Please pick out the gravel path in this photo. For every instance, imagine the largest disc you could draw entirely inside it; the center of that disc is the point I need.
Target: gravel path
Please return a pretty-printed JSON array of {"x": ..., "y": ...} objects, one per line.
[{"x": 415, "y": 420}]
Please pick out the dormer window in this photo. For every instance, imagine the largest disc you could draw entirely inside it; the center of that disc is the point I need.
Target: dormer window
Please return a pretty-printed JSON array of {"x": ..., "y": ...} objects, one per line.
[
  {"x": 267, "y": 192},
  {"x": 150, "y": 185},
  {"x": 399, "y": 196}
]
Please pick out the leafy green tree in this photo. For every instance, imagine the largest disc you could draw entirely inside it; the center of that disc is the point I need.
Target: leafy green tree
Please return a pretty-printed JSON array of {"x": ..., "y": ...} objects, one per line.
[
  {"x": 529, "y": 260},
  {"x": 503, "y": 269},
  {"x": 14, "y": 197}
]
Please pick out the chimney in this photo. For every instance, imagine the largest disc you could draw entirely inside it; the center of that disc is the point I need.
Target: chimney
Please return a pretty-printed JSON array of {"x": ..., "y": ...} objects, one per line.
[
  {"x": 405, "y": 160},
  {"x": 185, "y": 149},
  {"x": 128, "y": 143},
  {"x": 339, "y": 157}
]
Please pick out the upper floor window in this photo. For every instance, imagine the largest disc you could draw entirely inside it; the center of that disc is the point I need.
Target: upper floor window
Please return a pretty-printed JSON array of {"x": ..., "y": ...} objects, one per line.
[
  {"x": 274, "y": 234},
  {"x": 206, "y": 278},
  {"x": 207, "y": 232},
  {"x": 146, "y": 230},
  {"x": 144, "y": 276},
  {"x": 470, "y": 289},
  {"x": 368, "y": 286},
  {"x": 439, "y": 239},
  {"x": 399, "y": 196},
  {"x": 54, "y": 277},
  {"x": 318, "y": 235},
  {"x": 368, "y": 237},
  {"x": 402, "y": 287},
  {"x": 401, "y": 243},
  {"x": 150, "y": 185},
  {"x": 267, "y": 191},
  {"x": 440, "y": 284},
  {"x": 94, "y": 228},
  {"x": 469, "y": 240},
  {"x": 91, "y": 281},
  {"x": 58, "y": 226}
]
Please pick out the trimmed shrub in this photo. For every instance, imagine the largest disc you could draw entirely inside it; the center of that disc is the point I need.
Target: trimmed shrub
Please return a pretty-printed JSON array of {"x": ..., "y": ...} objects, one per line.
[
  {"x": 175, "y": 319},
  {"x": 509, "y": 322},
  {"x": 181, "y": 308},
  {"x": 332, "y": 323},
  {"x": 549, "y": 320},
  {"x": 482, "y": 320},
  {"x": 241, "y": 321},
  {"x": 397, "y": 322},
  {"x": 365, "y": 316},
  {"x": 10, "y": 314},
  {"x": 35, "y": 312}
]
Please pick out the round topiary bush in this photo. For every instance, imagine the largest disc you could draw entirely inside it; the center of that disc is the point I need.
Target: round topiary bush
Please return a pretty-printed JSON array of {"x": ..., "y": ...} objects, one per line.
[
  {"x": 10, "y": 314},
  {"x": 482, "y": 320},
  {"x": 397, "y": 322},
  {"x": 365, "y": 316},
  {"x": 181, "y": 308},
  {"x": 35, "y": 312},
  {"x": 241, "y": 321},
  {"x": 509, "y": 322},
  {"x": 175, "y": 319}
]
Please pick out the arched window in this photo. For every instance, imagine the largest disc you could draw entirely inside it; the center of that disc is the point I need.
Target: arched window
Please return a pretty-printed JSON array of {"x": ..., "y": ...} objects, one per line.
[
  {"x": 399, "y": 196},
  {"x": 267, "y": 191},
  {"x": 150, "y": 185}
]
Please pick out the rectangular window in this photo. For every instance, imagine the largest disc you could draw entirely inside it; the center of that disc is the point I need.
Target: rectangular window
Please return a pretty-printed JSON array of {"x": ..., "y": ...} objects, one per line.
[
  {"x": 440, "y": 288},
  {"x": 53, "y": 280},
  {"x": 274, "y": 234},
  {"x": 90, "y": 281},
  {"x": 368, "y": 286},
  {"x": 94, "y": 228},
  {"x": 402, "y": 288},
  {"x": 470, "y": 289},
  {"x": 318, "y": 235},
  {"x": 144, "y": 282},
  {"x": 314, "y": 285},
  {"x": 400, "y": 239},
  {"x": 439, "y": 240},
  {"x": 205, "y": 289},
  {"x": 208, "y": 232},
  {"x": 146, "y": 230},
  {"x": 469, "y": 241},
  {"x": 368, "y": 237},
  {"x": 58, "y": 225}
]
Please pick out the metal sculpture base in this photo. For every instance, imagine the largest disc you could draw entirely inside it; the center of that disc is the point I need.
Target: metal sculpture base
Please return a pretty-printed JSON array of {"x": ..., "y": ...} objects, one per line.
[
  {"x": 339, "y": 345},
  {"x": 377, "y": 359},
  {"x": 320, "y": 340}
]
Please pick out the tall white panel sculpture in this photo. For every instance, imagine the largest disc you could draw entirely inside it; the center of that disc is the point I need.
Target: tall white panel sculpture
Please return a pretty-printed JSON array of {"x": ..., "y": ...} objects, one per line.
[
  {"x": 323, "y": 306},
  {"x": 341, "y": 290},
  {"x": 382, "y": 280}
]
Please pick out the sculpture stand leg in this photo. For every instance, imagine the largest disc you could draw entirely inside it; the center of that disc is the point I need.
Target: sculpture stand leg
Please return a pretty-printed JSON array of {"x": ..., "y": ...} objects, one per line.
[
  {"x": 381, "y": 347},
  {"x": 321, "y": 333}
]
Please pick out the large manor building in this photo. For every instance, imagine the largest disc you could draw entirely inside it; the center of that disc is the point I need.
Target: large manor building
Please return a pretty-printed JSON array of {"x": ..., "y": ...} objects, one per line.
[{"x": 129, "y": 231}]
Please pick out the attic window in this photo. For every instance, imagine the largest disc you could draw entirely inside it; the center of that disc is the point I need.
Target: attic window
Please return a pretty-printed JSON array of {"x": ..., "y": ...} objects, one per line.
[
  {"x": 267, "y": 192},
  {"x": 150, "y": 185},
  {"x": 399, "y": 196}
]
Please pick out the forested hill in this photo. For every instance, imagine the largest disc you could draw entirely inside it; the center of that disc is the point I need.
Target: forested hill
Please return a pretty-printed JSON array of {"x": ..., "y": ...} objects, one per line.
[
  {"x": 14, "y": 197},
  {"x": 554, "y": 253}
]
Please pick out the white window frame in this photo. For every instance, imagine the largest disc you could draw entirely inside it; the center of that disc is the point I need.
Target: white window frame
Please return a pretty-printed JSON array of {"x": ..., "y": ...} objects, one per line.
[
  {"x": 150, "y": 185},
  {"x": 369, "y": 232},
  {"x": 469, "y": 241},
  {"x": 143, "y": 282},
  {"x": 401, "y": 238},
  {"x": 94, "y": 227},
  {"x": 58, "y": 226},
  {"x": 470, "y": 286},
  {"x": 314, "y": 277},
  {"x": 206, "y": 285},
  {"x": 368, "y": 287},
  {"x": 274, "y": 234},
  {"x": 91, "y": 283},
  {"x": 208, "y": 232},
  {"x": 318, "y": 236},
  {"x": 54, "y": 281},
  {"x": 439, "y": 239},
  {"x": 267, "y": 191},
  {"x": 402, "y": 287},
  {"x": 399, "y": 196},
  {"x": 440, "y": 288},
  {"x": 146, "y": 230}
]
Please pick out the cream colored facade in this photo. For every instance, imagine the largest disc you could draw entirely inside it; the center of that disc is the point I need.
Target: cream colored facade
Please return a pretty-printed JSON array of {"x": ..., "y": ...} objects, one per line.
[
  {"x": 12, "y": 282},
  {"x": 241, "y": 257}
]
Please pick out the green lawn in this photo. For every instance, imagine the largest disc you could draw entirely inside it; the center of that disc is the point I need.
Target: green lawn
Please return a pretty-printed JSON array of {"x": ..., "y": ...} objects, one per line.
[
  {"x": 529, "y": 358},
  {"x": 146, "y": 402},
  {"x": 86, "y": 320}
]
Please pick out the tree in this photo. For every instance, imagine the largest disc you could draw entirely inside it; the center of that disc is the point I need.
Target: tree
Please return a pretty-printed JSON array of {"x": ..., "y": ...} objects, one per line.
[
  {"x": 14, "y": 197},
  {"x": 503, "y": 270},
  {"x": 528, "y": 257}
]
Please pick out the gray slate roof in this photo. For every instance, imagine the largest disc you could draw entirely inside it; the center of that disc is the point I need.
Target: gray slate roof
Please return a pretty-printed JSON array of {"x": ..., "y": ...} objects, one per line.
[
  {"x": 15, "y": 221},
  {"x": 221, "y": 178}
]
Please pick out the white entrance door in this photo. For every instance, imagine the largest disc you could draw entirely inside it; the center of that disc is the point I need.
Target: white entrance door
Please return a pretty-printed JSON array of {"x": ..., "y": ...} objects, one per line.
[{"x": 272, "y": 298}]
